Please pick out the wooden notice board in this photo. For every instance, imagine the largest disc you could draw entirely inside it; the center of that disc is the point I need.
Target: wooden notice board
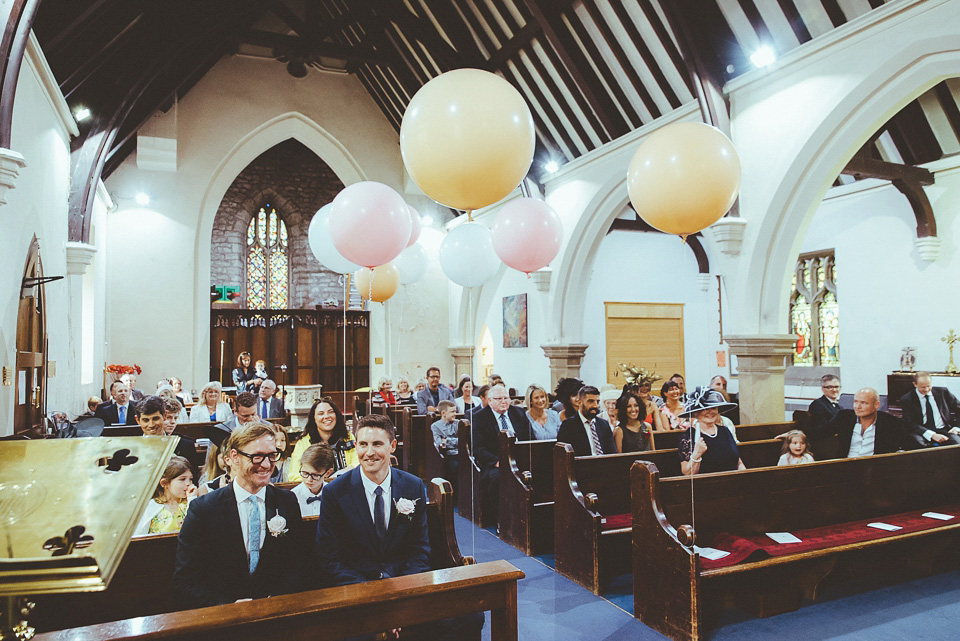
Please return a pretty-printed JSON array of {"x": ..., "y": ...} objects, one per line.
[{"x": 648, "y": 335}]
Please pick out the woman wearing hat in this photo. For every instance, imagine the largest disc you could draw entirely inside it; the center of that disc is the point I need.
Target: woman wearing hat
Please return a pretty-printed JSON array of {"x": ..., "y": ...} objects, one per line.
[
  {"x": 608, "y": 403},
  {"x": 708, "y": 445}
]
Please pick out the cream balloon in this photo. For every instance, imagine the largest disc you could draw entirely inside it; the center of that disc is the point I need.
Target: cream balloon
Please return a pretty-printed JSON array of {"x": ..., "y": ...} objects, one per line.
[
  {"x": 684, "y": 177},
  {"x": 377, "y": 284},
  {"x": 467, "y": 138}
]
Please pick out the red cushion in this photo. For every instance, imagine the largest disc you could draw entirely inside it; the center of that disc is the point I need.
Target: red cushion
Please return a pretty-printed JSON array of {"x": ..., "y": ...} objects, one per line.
[{"x": 616, "y": 521}]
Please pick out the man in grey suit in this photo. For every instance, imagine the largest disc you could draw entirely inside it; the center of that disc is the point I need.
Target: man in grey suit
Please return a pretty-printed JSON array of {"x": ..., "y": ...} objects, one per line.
[
  {"x": 268, "y": 405},
  {"x": 429, "y": 398}
]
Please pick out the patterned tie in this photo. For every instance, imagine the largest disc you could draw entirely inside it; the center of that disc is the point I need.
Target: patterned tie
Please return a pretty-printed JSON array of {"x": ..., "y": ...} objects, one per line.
[
  {"x": 122, "y": 411},
  {"x": 253, "y": 532},
  {"x": 928, "y": 422},
  {"x": 506, "y": 426},
  {"x": 596, "y": 439},
  {"x": 378, "y": 520}
]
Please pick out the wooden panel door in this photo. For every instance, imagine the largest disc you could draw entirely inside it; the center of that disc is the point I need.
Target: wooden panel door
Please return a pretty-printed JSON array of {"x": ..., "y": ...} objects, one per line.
[
  {"x": 648, "y": 335},
  {"x": 30, "y": 395}
]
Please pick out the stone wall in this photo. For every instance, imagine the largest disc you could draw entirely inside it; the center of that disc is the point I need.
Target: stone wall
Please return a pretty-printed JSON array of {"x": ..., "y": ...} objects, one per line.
[{"x": 297, "y": 183}]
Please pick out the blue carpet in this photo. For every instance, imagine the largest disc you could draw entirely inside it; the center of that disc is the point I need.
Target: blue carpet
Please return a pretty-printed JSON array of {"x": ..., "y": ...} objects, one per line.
[{"x": 553, "y": 608}]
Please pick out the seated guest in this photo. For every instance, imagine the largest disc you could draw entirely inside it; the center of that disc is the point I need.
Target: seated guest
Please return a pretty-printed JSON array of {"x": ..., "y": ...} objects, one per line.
[
  {"x": 384, "y": 393},
  {"x": 92, "y": 404},
  {"x": 325, "y": 424},
  {"x": 634, "y": 433},
  {"x": 171, "y": 415},
  {"x": 216, "y": 469},
  {"x": 210, "y": 407},
  {"x": 825, "y": 409},
  {"x": 795, "y": 450},
  {"x": 864, "y": 431},
  {"x": 118, "y": 410},
  {"x": 445, "y": 438},
  {"x": 232, "y": 545},
  {"x": 481, "y": 395},
  {"x": 429, "y": 398},
  {"x": 495, "y": 379},
  {"x": 391, "y": 539},
  {"x": 268, "y": 405},
  {"x": 707, "y": 445},
  {"x": 183, "y": 395},
  {"x": 585, "y": 431},
  {"x": 933, "y": 413},
  {"x": 151, "y": 418},
  {"x": 243, "y": 374},
  {"x": 245, "y": 406},
  {"x": 281, "y": 470},
  {"x": 166, "y": 393},
  {"x": 673, "y": 409},
  {"x": 719, "y": 383},
  {"x": 487, "y": 424},
  {"x": 465, "y": 398},
  {"x": 316, "y": 467},
  {"x": 678, "y": 379},
  {"x": 544, "y": 422},
  {"x": 420, "y": 386},
  {"x": 656, "y": 420},
  {"x": 131, "y": 381},
  {"x": 404, "y": 394},
  {"x": 608, "y": 405},
  {"x": 566, "y": 393},
  {"x": 165, "y": 512}
]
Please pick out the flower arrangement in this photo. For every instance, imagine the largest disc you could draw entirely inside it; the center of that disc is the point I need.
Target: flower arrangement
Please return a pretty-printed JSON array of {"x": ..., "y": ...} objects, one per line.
[
  {"x": 638, "y": 375},
  {"x": 120, "y": 370},
  {"x": 406, "y": 507}
]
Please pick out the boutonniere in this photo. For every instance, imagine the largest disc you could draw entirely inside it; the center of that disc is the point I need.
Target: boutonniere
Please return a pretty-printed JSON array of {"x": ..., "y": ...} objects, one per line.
[
  {"x": 277, "y": 526},
  {"x": 406, "y": 507}
]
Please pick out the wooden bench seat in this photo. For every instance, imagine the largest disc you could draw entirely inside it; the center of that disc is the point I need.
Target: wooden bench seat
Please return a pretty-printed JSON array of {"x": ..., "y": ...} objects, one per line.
[
  {"x": 826, "y": 504},
  {"x": 526, "y": 494},
  {"x": 745, "y": 433},
  {"x": 592, "y": 506},
  {"x": 469, "y": 497}
]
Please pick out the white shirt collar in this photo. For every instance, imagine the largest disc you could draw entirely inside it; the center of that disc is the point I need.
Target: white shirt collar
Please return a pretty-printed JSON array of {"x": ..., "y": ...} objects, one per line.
[
  {"x": 370, "y": 487},
  {"x": 923, "y": 396},
  {"x": 243, "y": 495}
]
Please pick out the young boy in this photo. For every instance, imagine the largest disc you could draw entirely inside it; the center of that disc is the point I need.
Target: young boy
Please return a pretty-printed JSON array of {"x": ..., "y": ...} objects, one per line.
[
  {"x": 316, "y": 465},
  {"x": 445, "y": 438}
]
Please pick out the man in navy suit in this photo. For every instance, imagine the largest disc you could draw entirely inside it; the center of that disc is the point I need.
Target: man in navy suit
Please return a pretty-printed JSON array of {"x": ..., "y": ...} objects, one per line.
[
  {"x": 268, "y": 405},
  {"x": 498, "y": 415},
  {"x": 588, "y": 434},
  {"x": 119, "y": 410},
  {"x": 373, "y": 522},
  {"x": 244, "y": 540},
  {"x": 931, "y": 413}
]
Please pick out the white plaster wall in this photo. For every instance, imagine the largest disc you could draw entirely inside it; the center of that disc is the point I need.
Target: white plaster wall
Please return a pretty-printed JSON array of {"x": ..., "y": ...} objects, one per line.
[{"x": 222, "y": 124}]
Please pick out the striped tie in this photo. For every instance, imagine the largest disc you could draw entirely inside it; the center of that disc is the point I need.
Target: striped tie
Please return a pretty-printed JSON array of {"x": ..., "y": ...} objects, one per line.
[{"x": 596, "y": 439}]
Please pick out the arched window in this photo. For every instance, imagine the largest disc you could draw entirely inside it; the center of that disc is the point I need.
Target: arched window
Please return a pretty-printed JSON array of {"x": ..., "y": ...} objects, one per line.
[
  {"x": 814, "y": 312},
  {"x": 268, "y": 263}
]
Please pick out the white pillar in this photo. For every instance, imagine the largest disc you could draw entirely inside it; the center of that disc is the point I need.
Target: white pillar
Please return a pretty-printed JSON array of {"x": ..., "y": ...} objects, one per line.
[{"x": 761, "y": 363}]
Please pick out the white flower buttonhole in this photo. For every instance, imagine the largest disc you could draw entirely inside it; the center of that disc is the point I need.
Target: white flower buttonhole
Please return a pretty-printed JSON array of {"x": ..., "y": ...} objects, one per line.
[
  {"x": 406, "y": 507},
  {"x": 277, "y": 526}
]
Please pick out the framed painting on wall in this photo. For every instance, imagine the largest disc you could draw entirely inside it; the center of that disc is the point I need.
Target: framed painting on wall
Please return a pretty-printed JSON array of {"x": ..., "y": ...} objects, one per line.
[{"x": 515, "y": 321}]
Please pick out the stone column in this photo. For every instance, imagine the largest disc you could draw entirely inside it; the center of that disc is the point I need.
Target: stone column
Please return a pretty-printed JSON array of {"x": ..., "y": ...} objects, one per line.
[
  {"x": 761, "y": 362},
  {"x": 565, "y": 361},
  {"x": 462, "y": 361},
  {"x": 79, "y": 258},
  {"x": 10, "y": 165}
]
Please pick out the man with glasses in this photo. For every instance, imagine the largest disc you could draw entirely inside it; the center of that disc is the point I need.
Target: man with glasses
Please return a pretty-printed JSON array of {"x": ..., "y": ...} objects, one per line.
[
  {"x": 244, "y": 540},
  {"x": 428, "y": 399},
  {"x": 825, "y": 409}
]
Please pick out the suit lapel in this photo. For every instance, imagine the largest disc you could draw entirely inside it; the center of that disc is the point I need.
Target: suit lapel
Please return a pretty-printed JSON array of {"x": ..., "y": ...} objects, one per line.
[
  {"x": 233, "y": 535},
  {"x": 361, "y": 508},
  {"x": 397, "y": 521}
]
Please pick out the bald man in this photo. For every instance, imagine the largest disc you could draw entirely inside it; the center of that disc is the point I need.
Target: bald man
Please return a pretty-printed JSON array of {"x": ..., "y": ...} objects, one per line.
[{"x": 864, "y": 430}]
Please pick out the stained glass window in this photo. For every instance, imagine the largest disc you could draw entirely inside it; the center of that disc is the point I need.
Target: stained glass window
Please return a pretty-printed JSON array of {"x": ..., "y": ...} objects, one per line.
[
  {"x": 814, "y": 311},
  {"x": 268, "y": 265}
]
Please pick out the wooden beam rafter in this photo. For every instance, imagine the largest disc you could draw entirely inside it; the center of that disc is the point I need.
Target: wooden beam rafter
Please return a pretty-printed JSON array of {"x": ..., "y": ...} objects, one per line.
[{"x": 862, "y": 166}]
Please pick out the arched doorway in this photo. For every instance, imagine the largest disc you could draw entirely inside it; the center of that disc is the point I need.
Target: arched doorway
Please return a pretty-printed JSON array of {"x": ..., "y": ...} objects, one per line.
[{"x": 31, "y": 382}]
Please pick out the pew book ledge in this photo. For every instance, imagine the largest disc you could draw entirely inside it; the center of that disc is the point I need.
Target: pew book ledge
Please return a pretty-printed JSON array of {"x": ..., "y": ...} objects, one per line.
[{"x": 334, "y": 613}]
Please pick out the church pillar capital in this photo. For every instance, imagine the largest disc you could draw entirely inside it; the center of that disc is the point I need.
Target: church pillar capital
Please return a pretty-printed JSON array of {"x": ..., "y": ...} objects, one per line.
[
  {"x": 10, "y": 165},
  {"x": 727, "y": 233},
  {"x": 565, "y": 360},
  {"x": 761, "y": 363},
  {"x": 79, "y": 257},
  {"x": 462, "y": 360}
]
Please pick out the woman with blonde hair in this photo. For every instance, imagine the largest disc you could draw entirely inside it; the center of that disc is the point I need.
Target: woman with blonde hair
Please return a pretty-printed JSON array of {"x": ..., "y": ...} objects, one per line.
[
  {"x": 210, "y": 407},
  {"x": 404, "y": 394},
  {"x": 544, "y": 421}
]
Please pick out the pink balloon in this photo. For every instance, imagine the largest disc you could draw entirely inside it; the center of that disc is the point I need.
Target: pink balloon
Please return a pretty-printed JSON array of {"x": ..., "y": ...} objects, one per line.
[
  {"x": 415, "y": 226},
  {"x": 369, "y": 223},
  {"x": 526, "y": 234}
]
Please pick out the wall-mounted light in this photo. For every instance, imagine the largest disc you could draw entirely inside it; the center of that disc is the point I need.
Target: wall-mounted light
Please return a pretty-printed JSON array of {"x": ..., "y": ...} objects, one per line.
[
  {"x": 81, "y": 114},
  {"x": 764, "y": 56},
  {"x": 551, "y": 166}
]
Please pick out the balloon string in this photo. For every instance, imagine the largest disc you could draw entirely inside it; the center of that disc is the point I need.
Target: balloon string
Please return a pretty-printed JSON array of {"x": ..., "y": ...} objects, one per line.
[
  {"x": 373, "y": 275},
  {"x": 683, "y": 238},
  {"x": 469, "y": 215},
  {"x": 346, "y": 301}
]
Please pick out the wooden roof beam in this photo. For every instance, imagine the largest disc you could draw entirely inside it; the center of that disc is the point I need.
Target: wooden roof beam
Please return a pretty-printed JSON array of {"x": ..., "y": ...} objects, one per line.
[
  {"x": 862, "y": 166},
  {"x": 352, "y": 54}
]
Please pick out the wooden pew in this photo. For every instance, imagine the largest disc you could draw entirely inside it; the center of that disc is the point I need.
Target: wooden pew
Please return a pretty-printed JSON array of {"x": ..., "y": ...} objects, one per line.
[
  {"x": 469, "y": 498},
  {"x": 745, "y": 433},
  {"x": 420, "y": 455},
  {"x": 680, "y": 594},
  {"x": 526, "y": 494},
  {"x": 143, "y": 583},
  {"x": 592, "y": 506}
]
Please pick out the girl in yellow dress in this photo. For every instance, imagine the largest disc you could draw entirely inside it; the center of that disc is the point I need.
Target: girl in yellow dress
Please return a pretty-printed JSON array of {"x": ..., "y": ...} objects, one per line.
[{"x": 166, "y": 511}]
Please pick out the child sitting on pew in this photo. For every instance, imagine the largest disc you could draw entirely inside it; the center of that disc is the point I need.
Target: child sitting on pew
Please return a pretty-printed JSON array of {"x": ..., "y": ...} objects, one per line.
[
  {"x": 281, "y": 473},
  {"x": 795, "y": 449},
  {"x": 445, "y": 437},
  {"x": 316, "y": 468},
  {"x": 168, "y": 507},
  {"x": 216, "y": 469}
]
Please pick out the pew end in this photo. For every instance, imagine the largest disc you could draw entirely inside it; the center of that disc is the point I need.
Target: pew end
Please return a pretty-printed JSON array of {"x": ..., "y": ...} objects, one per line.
[{"x": 526, "y": 494}]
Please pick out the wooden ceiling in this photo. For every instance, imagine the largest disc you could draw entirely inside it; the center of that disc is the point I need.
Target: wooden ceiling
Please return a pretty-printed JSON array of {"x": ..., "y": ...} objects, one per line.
[{"x": 591, "y": 70}]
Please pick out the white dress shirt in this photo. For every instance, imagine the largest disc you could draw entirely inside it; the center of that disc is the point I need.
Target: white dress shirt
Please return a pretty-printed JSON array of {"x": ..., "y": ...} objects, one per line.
[
  {"x": 862, "y": 444},
  {"x": 126, "y": 412},
  {"x": 586, "y": 427},
  {"x": 937, "y": 419},
  {"x": 369, "y": 487},
  {"x": 513, "y": 429},
  {"x": 303, "y": 493},
  {"x": 243, "y": 506}
]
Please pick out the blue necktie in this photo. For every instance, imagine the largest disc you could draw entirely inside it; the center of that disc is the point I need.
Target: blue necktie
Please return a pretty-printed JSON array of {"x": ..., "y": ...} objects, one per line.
[
  {"x": 378, "y": 520},
  {"x": 253, "y": 531},
  {"x": 504, "y": 426},
  {"x": 263, "y": 412},
  {"x": 122, "y": 411}
]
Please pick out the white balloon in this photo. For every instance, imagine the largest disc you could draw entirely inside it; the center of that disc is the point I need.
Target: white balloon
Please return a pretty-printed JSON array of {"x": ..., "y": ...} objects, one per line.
[
  {"x": 412, "y": 263},
  {"x": 467, "y": 256},
  {"x": 318, "y": 237}
]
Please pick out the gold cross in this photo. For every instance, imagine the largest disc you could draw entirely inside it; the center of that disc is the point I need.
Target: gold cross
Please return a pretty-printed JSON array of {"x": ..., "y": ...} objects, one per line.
[{"x": 950, "y": 339}]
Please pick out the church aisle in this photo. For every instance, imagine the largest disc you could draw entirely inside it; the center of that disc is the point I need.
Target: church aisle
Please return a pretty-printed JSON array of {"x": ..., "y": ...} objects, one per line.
[{"x": 553, "y": 608}]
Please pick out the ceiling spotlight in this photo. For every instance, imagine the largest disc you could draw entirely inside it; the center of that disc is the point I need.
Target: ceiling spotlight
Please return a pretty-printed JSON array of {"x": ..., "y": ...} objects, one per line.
[
  {"x": 552, "y": 167},
  {"x": 426, "y": 221},
  {"x": 142, "y": 199},
  {"x": 763, "y": 57},
  {"x": 81, "y": 114}
]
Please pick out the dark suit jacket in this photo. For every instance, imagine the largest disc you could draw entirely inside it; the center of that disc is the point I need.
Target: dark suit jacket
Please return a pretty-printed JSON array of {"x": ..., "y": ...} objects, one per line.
[
  {"x": 109, "y": 414},
  {"x": 347, "y": 546},
  {"x": 891, "y": 436},
  {"x": 274, "y": 407},
  {"x": 822, "y": 411},
  {"x": 947, "y": 405},
  {"x": 212, "y": 566},
  {"x": 486, "y": 433},
  {"x": 572, "y": 432}
]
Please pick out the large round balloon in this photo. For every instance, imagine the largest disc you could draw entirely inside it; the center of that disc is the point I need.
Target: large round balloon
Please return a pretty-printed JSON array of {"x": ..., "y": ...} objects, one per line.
[
  {"x": 412, "y": 264},
  {"x": 377, "y": 284},
  {"x": 467, "y": 256},
  {"x": 684, "y": 177},
  {"x": 318, "y": 237},
  {"x": 526, "y": 234},
  {"x": 369, "y": 223},
  {"x": 415, "y": 226},
  {"x": 467, "y": 138}
]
